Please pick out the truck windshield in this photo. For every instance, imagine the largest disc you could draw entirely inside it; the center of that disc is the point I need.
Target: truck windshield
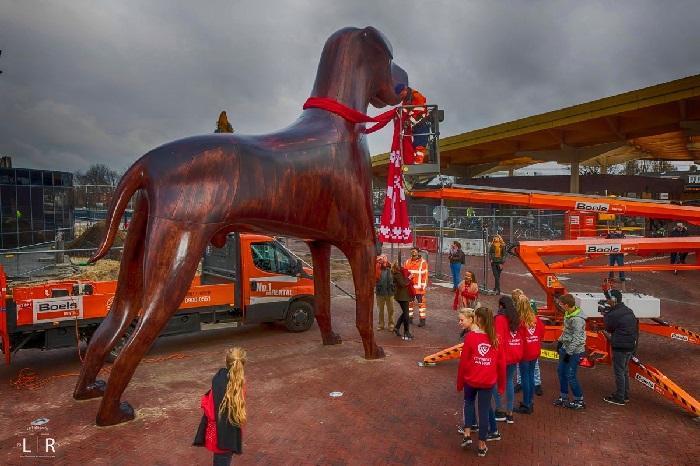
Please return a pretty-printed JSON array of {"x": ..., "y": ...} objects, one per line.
[{"x": 272, "y": 257}]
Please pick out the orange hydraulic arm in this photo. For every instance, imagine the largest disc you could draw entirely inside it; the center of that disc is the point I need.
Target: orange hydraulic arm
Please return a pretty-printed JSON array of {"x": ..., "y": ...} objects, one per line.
[
  {"x": 564, "y": 201},
  {"x": 652, "y": 378},
  {"x": 531, "y": 253}
]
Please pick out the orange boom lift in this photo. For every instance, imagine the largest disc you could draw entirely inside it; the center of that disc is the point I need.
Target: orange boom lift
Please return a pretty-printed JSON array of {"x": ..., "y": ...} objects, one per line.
[{"x": 531, "y": 253}]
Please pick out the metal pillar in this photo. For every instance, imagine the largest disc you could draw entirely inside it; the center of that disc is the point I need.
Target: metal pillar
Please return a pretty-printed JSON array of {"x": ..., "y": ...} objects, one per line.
[
  {"x": 439, "y": 257},
  {"x": 510, "y": 234},
  {"x": 574, "y": 181}
]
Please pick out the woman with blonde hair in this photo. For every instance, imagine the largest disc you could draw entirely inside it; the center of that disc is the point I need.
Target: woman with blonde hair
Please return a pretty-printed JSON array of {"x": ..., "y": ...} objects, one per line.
[
  {"x": 515, "y": 295},
  {"x": 467, "y": 294},
  {"x": 467, "y": 324},
  {"x": 533, "y": 331},
  {"x": 497, "y": 255},
  {"x": 220, "y": 429}
]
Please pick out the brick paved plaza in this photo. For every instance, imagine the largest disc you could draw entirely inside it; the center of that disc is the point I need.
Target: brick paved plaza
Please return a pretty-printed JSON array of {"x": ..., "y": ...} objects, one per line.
[{"x": 391, "y": 410}]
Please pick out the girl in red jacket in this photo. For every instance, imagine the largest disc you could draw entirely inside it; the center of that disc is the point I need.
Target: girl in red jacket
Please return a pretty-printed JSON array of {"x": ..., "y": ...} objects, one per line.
[
  {"x": 532, "y": 330},
  {"x": 220, "y": 429},
  {"x": 481, "y": 369},
  {"x": 467, "y": 294},
  {"x": 511, "y": 337}
]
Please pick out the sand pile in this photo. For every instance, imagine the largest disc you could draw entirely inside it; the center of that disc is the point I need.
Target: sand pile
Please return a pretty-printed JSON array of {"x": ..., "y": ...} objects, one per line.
[
  {"x": 92, "y": 237},
  {"x": 102, "y": 270}
]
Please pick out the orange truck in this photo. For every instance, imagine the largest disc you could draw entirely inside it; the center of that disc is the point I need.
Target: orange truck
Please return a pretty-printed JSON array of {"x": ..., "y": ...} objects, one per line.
[{"x": 252, "y": 279}]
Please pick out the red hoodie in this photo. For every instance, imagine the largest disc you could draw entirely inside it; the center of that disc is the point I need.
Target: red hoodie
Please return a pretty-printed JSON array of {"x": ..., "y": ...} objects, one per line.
[
  {"x": 481, "y": 365},
  {"x": 512, "y": 341},
  {"x": 532, "y": 340}
]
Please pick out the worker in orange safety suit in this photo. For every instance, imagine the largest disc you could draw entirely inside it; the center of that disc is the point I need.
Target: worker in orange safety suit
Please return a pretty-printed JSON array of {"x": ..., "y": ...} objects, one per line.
[
  {"x": 418, "y": 267},
  {"x": 410, "y": 96}
]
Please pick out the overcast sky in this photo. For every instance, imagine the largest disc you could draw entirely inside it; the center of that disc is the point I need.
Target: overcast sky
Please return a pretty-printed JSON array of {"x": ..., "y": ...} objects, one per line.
[{"x": 89, "y": 81}]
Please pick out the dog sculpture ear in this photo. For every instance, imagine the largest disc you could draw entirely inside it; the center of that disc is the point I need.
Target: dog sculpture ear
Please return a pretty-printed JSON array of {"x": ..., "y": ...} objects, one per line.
[
  {"x": 383, "y": 53},
  {"x": 380, "y": 38}
]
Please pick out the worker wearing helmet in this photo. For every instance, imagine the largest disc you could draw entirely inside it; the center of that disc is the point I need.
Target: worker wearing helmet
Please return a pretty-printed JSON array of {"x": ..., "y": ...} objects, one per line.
[
  {"x": 414, "y": 118},
  {"x": 418, "y": 267}
]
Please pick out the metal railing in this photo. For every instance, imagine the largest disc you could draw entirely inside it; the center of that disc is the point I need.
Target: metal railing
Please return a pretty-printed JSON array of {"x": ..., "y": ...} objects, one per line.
[{"x": 40, "y": 262}]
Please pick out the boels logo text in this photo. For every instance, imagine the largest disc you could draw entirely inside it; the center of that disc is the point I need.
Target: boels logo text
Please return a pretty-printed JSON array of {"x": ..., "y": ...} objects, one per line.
[
  {"x": 57, "y": 309},
  {"x": 64, "y": 306},
  {"x": 592, "y": 207},
  {"x": 603, "y": 248}
]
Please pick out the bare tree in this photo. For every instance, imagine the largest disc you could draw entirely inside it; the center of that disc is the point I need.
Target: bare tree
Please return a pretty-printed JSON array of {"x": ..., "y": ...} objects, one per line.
[
  {"x": 97, "y": 174},
  {"x": 589, "y": 170},
  {"x": 596, "y": 169},
  {"x": 640, "y": 167}
]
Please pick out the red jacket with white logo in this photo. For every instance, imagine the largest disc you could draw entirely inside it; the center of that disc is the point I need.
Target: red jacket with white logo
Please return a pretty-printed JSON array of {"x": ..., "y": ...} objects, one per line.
[
  {"x": 481, "y": 365},
  {"x": 532, "y": 337},
  {"x": 512, "y": 341}
]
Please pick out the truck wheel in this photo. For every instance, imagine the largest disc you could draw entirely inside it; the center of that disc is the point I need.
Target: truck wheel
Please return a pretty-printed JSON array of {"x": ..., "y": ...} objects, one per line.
[
  {"x": 300, "y": 316},
  {"x": 114, "y": 353}
]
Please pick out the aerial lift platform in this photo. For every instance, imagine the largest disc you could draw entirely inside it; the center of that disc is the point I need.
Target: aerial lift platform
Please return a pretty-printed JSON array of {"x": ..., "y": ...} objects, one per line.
[{"x": 582, "y": 251}]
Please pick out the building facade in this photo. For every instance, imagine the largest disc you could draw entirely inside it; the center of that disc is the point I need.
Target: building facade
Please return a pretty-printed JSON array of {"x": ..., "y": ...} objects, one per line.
[{"x": 34, "y": 206}]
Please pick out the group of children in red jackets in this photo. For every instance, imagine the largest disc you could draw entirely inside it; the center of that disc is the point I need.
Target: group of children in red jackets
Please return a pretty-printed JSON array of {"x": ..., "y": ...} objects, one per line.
[{"x": 493, "y": 347}]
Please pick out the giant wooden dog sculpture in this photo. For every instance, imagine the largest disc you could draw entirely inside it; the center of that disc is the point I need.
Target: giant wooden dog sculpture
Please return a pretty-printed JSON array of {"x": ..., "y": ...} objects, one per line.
[{"x": 310, "y": 180}]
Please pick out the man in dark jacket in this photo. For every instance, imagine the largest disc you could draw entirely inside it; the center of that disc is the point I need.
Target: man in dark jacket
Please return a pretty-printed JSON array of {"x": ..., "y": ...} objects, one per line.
[
  {"x": 616, "y": 259},
  {"x": 679, "y": 231},
  {"x": 623, "y": 326}
]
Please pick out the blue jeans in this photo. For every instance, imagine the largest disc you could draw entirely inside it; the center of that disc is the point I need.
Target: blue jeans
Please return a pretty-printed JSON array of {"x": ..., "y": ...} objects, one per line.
[
  {"x": 469, "y": 413},
  {"x": 470, "y": 416},
  {"x": 616, "y": 259},
  {"x": 456, "y": 268},
  {"x": 487, "y": 418},
  {"x": 567, "y": 375},
  {"x": 510, "y": 390},
  {"x": 538, "y": 376},
  {"x": 527, "y": 369}
]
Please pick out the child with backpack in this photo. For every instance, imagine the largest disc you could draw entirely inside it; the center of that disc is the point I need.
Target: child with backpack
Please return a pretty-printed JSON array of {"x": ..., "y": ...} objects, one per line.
[{"x": 224, "y": 407}]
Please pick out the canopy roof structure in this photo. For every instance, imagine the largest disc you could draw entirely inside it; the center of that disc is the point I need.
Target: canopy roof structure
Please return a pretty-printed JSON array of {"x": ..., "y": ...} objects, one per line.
[{"x": 660, "y": 122}]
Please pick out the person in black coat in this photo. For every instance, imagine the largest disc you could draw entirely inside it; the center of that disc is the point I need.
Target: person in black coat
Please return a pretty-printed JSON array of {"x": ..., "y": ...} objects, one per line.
[
  {"x": 402, "y": 295},
  {"x": 623, "y": 326},
  {"x": 616, "y": 259},
  {"x": 680, "y": 231},
  {"x": 224, "y": 410}
]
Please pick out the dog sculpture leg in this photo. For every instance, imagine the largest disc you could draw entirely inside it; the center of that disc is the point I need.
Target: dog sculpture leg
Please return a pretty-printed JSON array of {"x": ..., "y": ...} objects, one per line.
[
  {"x": 362, "y": 258},
  {"x": 321, "y": 256},
  {"x": 173, "y": 251},
  {"x": 125, "y": 306}
]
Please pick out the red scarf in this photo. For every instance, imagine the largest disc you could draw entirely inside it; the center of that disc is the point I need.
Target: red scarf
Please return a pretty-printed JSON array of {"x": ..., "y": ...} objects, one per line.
[{"x": 394, "y": 226}]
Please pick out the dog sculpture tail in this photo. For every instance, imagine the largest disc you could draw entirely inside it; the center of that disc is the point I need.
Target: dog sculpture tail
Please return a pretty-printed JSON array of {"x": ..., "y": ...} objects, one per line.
[{"x": 131, "y": 182}]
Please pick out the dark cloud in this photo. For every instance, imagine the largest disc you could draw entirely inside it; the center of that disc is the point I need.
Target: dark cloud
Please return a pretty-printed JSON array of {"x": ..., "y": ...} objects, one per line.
[{"x": 87, "y": 82}]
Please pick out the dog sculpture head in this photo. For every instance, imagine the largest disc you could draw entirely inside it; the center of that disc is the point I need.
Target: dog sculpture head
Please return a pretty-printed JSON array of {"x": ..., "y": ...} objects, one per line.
[
  {"x": 385, "y": 94},
  {"x": 353, "y": 58}
]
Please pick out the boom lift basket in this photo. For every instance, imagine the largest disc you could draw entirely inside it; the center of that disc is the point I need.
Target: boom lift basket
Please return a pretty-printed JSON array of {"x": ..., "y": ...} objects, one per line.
[{"x": 427, "y": 131}]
